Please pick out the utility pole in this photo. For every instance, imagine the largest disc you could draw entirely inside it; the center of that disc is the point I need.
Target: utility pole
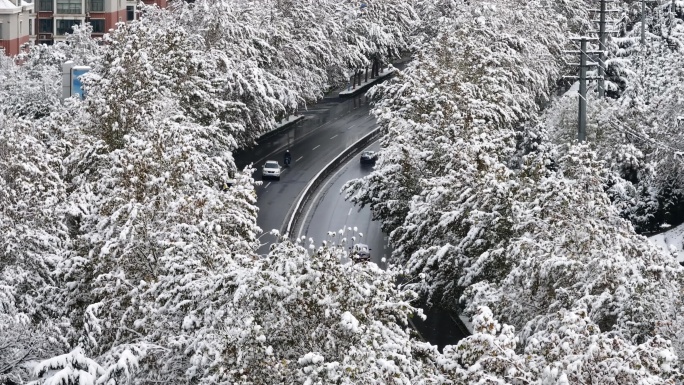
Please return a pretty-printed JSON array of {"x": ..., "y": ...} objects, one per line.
[
  {"x": 602, "y": 48},
  {"x": 603, "y": 32},
  {"x": 673, "y": 14},
  {"x": 643, "y": 17},
  {"x": 585, "y": 62},
  {"x": 582, "y": 121},
  {"x": 643, "y": 22}
]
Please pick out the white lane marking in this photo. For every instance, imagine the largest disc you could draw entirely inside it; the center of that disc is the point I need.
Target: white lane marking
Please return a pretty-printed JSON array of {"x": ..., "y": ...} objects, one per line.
[
  {"x": 271, "y": 154},
  {"x": 350, "y": 210},
  {"x": 298, "y": 159},
  {"x": 267, "y": 184},
  {"x": 316, "y": 147},
  {"x": 333, "y": 137},
  {"x": 352, "y": 126}
]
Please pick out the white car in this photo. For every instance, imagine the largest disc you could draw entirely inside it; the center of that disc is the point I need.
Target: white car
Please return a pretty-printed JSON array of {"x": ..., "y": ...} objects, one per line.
[{"x": 271, "y": 169}]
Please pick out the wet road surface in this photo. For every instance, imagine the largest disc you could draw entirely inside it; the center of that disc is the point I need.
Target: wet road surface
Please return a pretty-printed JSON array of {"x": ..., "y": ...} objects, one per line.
[
  {"x": 329, "y": 212},
  {"x": 327, "y": 129}
]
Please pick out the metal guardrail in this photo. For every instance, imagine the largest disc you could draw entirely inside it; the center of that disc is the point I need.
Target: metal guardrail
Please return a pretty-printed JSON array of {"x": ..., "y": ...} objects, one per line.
[{"x": 312, "y": 186}]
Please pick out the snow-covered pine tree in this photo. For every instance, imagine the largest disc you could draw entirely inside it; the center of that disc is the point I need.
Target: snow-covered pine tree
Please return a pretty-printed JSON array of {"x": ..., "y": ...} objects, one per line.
[
  {"x": 450, "y": 120},
  {"x": 568, "y": 348},
  {"x": 32, "y": 244}
]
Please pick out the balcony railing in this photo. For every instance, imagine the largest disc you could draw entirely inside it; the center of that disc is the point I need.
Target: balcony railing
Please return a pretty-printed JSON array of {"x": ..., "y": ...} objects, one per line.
[{"x": 69, "y": 8}]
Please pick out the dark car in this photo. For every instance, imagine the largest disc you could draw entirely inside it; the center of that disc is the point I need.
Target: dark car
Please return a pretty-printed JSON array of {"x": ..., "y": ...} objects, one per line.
[
  {"x": 369, "y": 157},
  {"x": 360, "y": 253}
]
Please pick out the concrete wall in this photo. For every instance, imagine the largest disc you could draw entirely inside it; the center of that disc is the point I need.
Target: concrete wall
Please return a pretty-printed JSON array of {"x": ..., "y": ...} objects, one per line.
[
  {"x": 111, "y": 18},
  {"x": 13, "y": 47},
  {"x": 14, "y": 30},
  {"x": 114, "y": 5}
]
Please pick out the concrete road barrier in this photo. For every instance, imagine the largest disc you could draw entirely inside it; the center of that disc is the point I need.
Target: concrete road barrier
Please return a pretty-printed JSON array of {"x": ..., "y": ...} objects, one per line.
[{"x": 310, "y": 189}]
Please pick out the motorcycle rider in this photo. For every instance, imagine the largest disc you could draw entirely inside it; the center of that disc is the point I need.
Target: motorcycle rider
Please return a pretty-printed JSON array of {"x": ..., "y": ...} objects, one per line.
[{"x": 288, "y": 158}]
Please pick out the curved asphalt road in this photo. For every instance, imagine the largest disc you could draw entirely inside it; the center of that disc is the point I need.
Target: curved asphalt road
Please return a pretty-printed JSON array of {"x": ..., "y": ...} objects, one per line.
[
  {"x": 328, "y": 211},
  {"x": 327, "y": 129}
]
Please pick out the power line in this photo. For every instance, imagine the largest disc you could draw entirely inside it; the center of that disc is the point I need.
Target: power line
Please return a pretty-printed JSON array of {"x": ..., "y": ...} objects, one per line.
[{"x": 661, "y": 145}]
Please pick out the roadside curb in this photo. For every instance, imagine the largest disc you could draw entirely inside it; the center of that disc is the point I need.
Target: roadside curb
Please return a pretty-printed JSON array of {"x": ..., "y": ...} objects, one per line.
[
  {"x": 364, "y": 87},
  {"x": 305, "y": 196},
  {"x": 281, "y": 128}
]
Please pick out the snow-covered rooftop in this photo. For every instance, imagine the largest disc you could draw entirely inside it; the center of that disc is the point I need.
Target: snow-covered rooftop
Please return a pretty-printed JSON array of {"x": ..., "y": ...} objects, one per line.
[{"x": 6, "y": 6}]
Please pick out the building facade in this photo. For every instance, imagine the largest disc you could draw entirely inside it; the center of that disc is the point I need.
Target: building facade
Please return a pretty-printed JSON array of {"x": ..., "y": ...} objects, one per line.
[
  {"x": 160, "y": 3},
  {"x": 16, "y": 23},
  {"x": 55, "y": 18},
  {"x": 48, "y": 21}
]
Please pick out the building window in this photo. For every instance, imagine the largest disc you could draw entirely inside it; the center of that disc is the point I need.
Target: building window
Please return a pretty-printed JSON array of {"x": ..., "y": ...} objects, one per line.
[
  {"x": 46, "y": 26},
  {"x": 1, "y": 32},
  {"x": 45, "y": 6},
  {"x": 64, "y": 26},
  {"x": 130, "y": 13},
  {"x": 98, "y": 25},
  {"x": 31, "y": 27},
  {"x": 96, "y": 6},
  {"x": 69, "y": 6}
]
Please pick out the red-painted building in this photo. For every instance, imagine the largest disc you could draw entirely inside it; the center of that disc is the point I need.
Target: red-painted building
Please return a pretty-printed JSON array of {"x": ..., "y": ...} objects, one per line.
[
  {"x": 48, "y": 21},
  {"x": 160, "y": 3},
  {"x": 55, "y": 18},
  {"x": 16, "y": 23}
]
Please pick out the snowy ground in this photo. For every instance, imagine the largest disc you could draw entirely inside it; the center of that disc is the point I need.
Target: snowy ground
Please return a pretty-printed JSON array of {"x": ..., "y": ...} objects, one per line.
[{"x": 671, "y": 240}]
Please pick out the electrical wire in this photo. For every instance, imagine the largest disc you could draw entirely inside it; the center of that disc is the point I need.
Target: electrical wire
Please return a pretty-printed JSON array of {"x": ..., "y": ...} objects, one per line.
[{"x": 661, "y": 145}]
